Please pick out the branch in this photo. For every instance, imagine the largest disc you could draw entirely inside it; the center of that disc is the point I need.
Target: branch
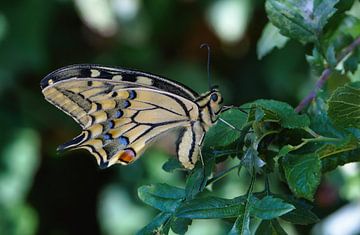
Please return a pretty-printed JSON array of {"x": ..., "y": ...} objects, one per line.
[{"x": 325, "y": 76}]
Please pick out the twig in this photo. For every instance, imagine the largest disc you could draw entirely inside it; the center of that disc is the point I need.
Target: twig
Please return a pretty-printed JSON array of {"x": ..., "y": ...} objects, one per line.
[{"x": 325, "y": 76}]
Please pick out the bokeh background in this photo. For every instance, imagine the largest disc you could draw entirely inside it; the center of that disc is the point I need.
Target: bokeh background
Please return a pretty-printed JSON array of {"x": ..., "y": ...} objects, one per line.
[{"x": 42, "y": 192}]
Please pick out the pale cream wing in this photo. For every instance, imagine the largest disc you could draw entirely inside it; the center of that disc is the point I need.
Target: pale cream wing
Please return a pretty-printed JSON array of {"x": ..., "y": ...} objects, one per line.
[{"x": 119, "y": 118}]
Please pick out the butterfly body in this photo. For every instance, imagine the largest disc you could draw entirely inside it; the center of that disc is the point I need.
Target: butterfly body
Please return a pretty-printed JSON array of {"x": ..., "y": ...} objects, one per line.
[{"x": 123, "y": 111}]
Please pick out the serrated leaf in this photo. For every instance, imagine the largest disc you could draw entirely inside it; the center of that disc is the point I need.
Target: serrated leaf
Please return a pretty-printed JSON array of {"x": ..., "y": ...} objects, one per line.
[
  {"x": 180, "y": 225},
  {"x": 300, "y": 20},
  {"x": 281, "y": 112},
  {"x": 303, "y": 173},
  {"x": 270, "y": 227},
  {"x": 269, "y": 207},
  {"x": 221, "y": 134},
  {"x": 156, "y": 226},
  {"x": 162, "y": 196},
  {"x": 344, "y": 106},
  {"x": 302, "y": 213},
  {"x": 339, "y": 159},
  {"x": 270, "y": 39},
  {"x": 241, "y": 225},
  {"x": 211, "y": 208}
]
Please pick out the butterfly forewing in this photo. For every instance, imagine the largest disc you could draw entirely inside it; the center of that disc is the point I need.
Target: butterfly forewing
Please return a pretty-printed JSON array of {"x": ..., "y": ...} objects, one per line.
[{"x": 123, "y": 111}]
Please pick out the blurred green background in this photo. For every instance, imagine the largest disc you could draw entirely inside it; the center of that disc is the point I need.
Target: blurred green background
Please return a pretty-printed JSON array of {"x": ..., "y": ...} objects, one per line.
[{"x": 42, "y": 192}]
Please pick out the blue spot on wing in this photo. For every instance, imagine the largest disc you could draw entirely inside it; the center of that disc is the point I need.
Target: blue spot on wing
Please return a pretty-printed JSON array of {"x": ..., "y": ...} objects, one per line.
[{"x": 123, "y": 140}]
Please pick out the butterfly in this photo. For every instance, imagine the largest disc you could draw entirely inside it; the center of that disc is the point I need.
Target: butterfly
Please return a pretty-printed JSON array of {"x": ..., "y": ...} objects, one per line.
[{"x": 123, "y": 111}]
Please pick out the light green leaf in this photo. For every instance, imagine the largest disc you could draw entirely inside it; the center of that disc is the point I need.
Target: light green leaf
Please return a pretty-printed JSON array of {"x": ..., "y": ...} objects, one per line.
[
  {"x": 303, "y": 173},
  {"x": 162, "y": 196},
  {"x": 211, "y": 208},
  {"x": 269, "y": 207},
  {"x": 300, "y": 20},
  {"x": 344, "y": 106},
  {"x": 270, "y": 39}
]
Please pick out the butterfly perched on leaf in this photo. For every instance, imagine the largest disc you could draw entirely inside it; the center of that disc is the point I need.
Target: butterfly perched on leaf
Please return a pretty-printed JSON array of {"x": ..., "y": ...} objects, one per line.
[{"x": 123, "y": 111}]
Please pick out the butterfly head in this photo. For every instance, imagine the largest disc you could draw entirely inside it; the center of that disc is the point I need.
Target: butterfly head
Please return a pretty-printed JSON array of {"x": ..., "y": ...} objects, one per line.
[{"x": 215, "y": 103}]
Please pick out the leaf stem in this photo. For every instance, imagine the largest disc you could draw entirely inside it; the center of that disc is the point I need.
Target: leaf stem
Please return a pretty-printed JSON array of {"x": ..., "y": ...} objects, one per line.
[
  {"x": 222, "y": 174},
  {"x": 325, "y": 76}
]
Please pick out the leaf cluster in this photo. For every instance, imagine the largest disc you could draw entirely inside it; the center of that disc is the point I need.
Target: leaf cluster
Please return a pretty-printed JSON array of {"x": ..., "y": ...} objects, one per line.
[{"x": 269, "y": 137}]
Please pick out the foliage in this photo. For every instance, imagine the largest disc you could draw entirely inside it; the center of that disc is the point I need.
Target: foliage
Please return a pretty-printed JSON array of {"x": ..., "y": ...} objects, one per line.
[
  {"x": 265, "y": 163},
  {"x": 268, "y": 136}
]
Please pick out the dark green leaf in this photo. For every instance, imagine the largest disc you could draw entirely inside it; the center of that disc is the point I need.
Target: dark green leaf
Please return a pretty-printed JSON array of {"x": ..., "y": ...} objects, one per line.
[
  {"x": 172, "y": 164},
  {"x": 211, "y": 207},
  {"x": 281, "y": 112},
  {"x": 269, "y": 207},
  {"x": 196, "y": 181},
  {"x": 270, "y": 39},
  {"x": 270, "y": 227},
  {"x": 303, "y": 173},
  {"x": 331, "y": 56},
  {"x": 330, "y": 163},
  {"x": 222, "y": 134},
  {"x": 316, "y": 61},
  {"x": 351, "y": 64},
  {"x": 344, "y": 106},
  {"x": 347, "y": 144},
  {"x": 302, "y": 213},
  {"x": 301, "y": 20},
  {"x": 180, "y": 225},
  {"x": 156, "y": 226},
  {"x": 162, "y": 196},
  {"x": 241, "y": 225}
]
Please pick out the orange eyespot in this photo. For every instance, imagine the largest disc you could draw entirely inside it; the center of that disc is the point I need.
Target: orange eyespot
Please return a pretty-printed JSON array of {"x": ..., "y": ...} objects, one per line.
[{"x": 127, "y": 156}]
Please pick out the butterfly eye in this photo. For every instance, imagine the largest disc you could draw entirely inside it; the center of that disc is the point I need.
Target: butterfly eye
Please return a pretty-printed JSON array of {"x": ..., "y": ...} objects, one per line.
[{"x": 214, "y": 97}]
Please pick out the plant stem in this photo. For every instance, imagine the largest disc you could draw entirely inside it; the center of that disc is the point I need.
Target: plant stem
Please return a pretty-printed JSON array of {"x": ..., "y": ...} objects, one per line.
[
  {"x": 325, "y": 76},
  {"x": 222, "y": 174}
]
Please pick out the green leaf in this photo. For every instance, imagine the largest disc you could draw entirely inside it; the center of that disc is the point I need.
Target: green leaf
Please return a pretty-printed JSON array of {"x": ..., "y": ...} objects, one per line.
[
  {"x": 300, "y": 20},
  {"x": 351, "y": 64},
  {"x": 241, "y": 225},
  {"x": 196, "y": 181},
  {"x": 157, "y": 225},
  {"x": 211, "y": 208},
  {"x": 303, "y": 173},
  {"x": 221, "y": 134},
  {"x": 344, "y": 106},
  {"x": 180, "y": 225},
  {"x": 270, "y": 227},
  {"x": 270, "y": 39},
  {"x": 162, "y": 196},
  {"x": 328, "y": 150},
  {"x": 339, "y": 159},
  {"x": 302, "y": 213},
  {"x": 281, "y": 112},
  {"x": 316, "y": 61},
  {"x": 269, "y": 207},
  {"x": 172, "y": 164}
]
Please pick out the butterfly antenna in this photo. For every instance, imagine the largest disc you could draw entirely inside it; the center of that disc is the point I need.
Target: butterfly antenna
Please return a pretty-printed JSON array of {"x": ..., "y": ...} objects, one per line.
[{"x": 208, "y": 61}]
